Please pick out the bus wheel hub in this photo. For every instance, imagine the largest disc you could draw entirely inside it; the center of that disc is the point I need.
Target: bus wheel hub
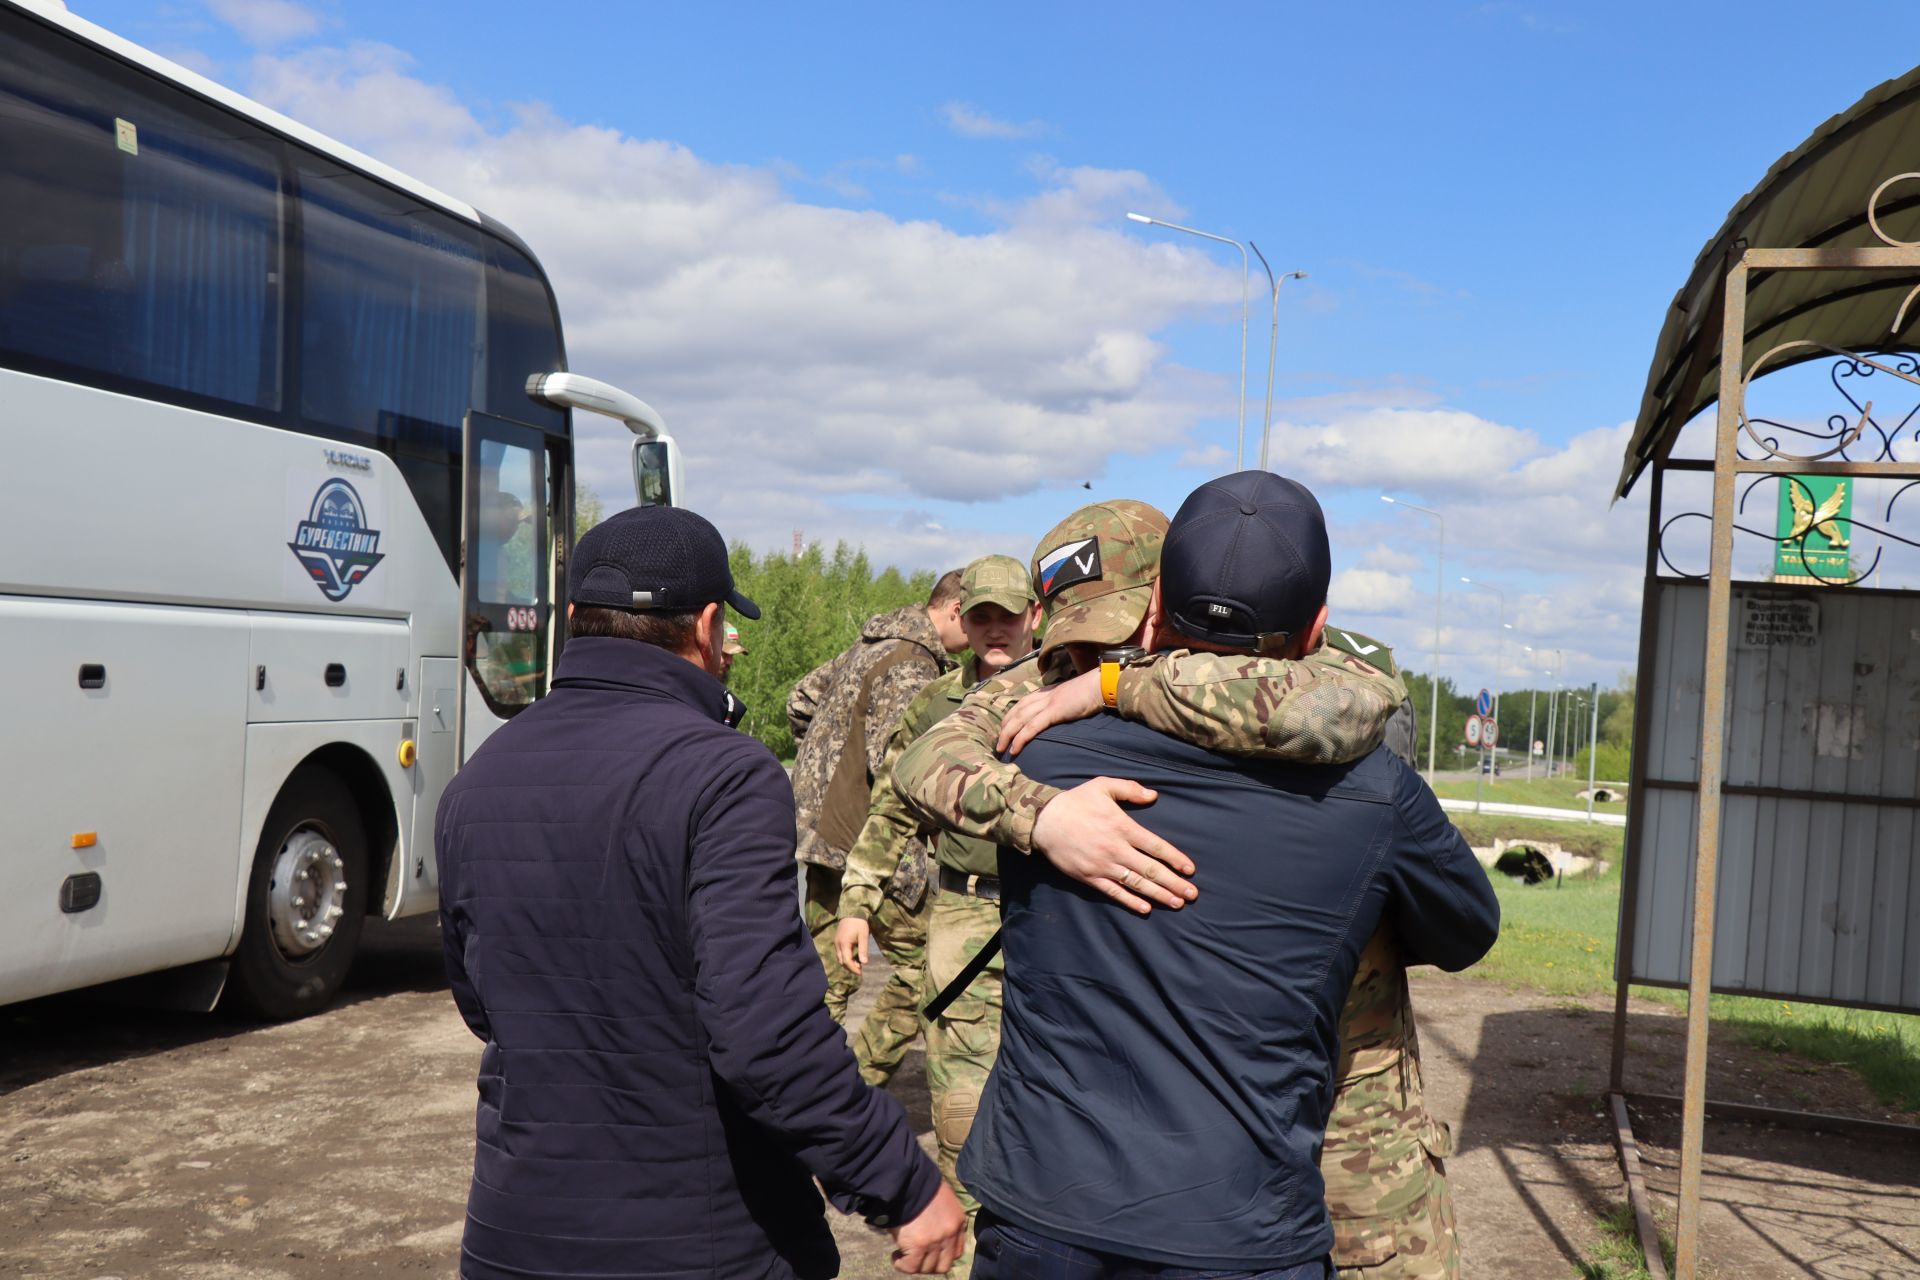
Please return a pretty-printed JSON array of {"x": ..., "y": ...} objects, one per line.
[{"x": 306, "y": 897}]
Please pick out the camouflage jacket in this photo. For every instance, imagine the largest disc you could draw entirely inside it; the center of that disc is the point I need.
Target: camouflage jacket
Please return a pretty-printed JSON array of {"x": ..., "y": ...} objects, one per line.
[
  {"x": 1331, "y": 705},
  {"x": 892, "y": 857},
  {"x": 842, "y": 713}
]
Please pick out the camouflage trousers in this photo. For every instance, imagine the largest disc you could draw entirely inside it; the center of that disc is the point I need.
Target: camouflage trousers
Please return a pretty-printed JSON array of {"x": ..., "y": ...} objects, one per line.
[
  {"x": 1385, "y": 1168},
  {"x": 963, "y": 1041},
  {"x": 882, "y": 1041},
  {"x": 823, "y": 917}
]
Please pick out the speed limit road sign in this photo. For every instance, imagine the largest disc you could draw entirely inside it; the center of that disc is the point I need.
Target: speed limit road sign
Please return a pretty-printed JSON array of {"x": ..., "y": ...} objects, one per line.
[
  {"x": 1473, "y": 731},
  {"x": 1489, "y": 731}
]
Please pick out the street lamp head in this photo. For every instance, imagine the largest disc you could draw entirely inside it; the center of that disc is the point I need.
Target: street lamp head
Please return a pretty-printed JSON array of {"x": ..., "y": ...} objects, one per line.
[
  {"x": 1385, "y": 498},
  {"x": 1467, "y": 580},
  {"x": 1139, "y": 217},
  {"x": 1294, "y": 275}
]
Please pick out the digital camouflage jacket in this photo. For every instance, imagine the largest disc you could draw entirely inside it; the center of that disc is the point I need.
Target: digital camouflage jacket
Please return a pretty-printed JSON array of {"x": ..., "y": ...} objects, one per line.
[
  {"x": 892, "y": 856},
  {"x": 842, "y": 713}
]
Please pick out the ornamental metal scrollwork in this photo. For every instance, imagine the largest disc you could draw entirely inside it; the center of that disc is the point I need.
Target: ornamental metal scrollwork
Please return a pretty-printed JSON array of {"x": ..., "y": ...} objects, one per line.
[
  {"x": 1843, "y": 428},
  {"x": 1811, "y": 571},
  {"x": 1844, "y": 435}
]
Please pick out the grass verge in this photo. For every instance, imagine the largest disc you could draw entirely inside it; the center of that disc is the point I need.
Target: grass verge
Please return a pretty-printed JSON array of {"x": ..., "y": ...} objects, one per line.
[
  {"x": 1559, "y": 938},
  {"x": 1616, "y": 1255},
  {"x": 1553, "y": 793}
]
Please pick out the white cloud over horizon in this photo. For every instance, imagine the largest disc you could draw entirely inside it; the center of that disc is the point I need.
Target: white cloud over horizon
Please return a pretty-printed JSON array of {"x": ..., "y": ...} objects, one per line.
[
  {"x": 266, "y": 23},
  {"x": 970, "y": 121},
  {"x": 836, "y": 369}
]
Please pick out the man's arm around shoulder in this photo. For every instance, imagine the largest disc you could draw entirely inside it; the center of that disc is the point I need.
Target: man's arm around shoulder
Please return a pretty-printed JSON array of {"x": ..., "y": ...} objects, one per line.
[{"x": 1442, "y": 906}]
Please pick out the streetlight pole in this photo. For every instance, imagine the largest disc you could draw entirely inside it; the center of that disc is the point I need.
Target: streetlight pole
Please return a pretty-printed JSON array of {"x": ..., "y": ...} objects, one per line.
[
  {"x": 1273, "y": 345},
  {"x": 1553, "y": 709},
  {"x": 1500, "y": 653},
  {"x": 1246, "y": 277},
  {"x": 1533, "y": 705},
  {"x": 1439, "y": 581}
]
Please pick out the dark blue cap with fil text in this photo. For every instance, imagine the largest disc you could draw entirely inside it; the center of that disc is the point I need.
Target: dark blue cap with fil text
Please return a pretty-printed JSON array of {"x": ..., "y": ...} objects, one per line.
[
  {"x": 654, "y": 558},
  {"x": 1246, "y": 562}
]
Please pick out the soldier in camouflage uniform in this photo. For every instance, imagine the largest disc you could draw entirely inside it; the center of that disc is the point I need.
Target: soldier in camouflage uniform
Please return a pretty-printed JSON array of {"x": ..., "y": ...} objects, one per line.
[
  {"x": 998, "y": 612},
  {"x": 1383, "y": 1155},
  {"x": 841, "y": 713}
]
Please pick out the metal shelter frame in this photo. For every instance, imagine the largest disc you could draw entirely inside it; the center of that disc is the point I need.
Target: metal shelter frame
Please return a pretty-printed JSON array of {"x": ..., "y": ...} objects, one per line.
[{"x": 1869, "y": 271}]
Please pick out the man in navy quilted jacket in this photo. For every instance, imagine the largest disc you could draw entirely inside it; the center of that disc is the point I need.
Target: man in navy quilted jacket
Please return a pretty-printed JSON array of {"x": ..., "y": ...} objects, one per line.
[
  {"x": 1164, "y": 1082},
  {"x": 662, "y": 1081}
]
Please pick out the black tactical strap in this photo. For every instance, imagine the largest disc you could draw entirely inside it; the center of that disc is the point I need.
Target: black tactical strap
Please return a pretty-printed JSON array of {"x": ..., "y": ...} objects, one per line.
[{"x": 964, "y": 979}]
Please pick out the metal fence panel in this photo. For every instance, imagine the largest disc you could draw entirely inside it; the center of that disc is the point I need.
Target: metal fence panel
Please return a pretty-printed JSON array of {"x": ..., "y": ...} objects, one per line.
[{"x": 1818, "y": 897}]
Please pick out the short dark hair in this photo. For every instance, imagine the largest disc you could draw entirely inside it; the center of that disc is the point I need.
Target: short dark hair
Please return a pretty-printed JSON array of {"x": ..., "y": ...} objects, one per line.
[
  {"x": 671, "y": 629},
  {"x": 945, "y": 591}
]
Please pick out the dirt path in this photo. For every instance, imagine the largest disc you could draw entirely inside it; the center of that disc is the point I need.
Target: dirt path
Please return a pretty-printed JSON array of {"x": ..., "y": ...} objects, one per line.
[{"x": 137, "y": 1144}]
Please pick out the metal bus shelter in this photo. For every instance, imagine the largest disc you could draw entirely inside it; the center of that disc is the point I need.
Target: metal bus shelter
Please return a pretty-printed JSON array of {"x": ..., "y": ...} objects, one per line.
[{"x": 1775, "y": 797}]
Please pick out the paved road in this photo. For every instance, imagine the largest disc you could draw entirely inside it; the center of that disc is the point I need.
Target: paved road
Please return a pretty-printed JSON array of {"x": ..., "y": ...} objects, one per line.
[{"x": 1534, "y": 811}]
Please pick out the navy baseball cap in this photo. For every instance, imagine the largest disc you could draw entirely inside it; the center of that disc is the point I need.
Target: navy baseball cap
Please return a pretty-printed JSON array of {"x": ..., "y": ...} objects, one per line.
[
  {"x": 654, "y": 558},
  {"x": 1246, "y": 562}
]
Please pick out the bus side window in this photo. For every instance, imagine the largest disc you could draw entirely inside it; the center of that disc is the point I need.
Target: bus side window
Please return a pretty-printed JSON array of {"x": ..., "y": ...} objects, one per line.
[{"x": 140, "y": 239}]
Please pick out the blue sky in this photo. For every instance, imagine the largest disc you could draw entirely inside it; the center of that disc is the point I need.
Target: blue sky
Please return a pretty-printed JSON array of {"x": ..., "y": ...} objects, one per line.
[{"x": 871, "y": 262}]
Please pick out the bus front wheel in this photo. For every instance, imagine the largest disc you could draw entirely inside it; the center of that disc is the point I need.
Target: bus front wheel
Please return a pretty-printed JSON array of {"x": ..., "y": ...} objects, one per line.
[{"x": 306, "y": 901}]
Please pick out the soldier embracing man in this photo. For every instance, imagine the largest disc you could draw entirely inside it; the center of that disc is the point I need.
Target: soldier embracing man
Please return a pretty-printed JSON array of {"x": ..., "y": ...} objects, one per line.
[{"x": 1383, "y": 1155}]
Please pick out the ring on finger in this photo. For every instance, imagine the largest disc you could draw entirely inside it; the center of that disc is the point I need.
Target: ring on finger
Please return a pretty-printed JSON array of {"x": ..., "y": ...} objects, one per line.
[{"x": 1129, "y": 880}]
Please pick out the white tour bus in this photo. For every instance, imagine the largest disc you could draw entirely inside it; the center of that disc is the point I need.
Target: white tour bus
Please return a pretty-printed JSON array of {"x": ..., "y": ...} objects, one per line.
[{"x": 258, "y": 394}]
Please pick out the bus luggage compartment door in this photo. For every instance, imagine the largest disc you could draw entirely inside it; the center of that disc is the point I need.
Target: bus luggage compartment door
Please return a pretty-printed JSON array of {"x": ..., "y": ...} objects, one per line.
[{"x": 123, "y": 758}]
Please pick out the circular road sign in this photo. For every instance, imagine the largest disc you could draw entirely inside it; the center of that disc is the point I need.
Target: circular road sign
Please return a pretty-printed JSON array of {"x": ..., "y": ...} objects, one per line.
[
  {"x": 1483, "y": 704},
  {"x": 1473, "y": 731},
  {"x": 1489, "y": 731}
]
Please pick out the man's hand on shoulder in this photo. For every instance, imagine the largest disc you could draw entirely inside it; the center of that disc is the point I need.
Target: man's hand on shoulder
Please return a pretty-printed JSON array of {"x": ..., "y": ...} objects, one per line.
[
  {"x": 937, "y": 1235},
  {"x": 1074, "y": 699},
  {"x": 1088, "y": 836}
]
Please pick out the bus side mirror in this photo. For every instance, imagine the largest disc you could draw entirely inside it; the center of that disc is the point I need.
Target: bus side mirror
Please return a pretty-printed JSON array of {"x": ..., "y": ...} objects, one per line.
[{"x": 656, "y": 473}]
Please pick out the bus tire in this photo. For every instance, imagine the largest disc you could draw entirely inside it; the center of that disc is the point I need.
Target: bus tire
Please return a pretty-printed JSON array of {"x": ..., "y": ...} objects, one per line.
[{"x": 306, "y": 902}]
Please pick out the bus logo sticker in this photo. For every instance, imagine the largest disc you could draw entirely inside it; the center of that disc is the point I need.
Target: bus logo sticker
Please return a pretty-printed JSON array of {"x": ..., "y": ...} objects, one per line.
[{"x": 334, "y": 543}]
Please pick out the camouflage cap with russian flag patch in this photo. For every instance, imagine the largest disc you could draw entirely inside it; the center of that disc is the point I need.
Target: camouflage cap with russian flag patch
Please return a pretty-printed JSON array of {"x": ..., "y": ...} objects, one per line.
[{"x": 1095, "y": 571}]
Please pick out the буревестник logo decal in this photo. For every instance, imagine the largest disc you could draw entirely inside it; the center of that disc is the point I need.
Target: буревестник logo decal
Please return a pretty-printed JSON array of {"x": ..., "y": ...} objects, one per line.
[{"x": 334, "y": 543}]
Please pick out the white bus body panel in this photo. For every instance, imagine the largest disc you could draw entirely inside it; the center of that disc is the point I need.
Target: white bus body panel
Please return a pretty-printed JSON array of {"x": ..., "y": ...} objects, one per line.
[{"x": 151, "y": 763}]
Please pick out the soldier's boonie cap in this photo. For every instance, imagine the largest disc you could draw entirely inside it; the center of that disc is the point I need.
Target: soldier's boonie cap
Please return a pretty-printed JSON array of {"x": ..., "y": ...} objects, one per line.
[
  {"x": 1246, "y": 562},
  {"x": 1000, "y": 580},
  {"x": 1095, "y": 571},
  {"x": 732, "y": 644},
  {"x": 654, "y": 558}
]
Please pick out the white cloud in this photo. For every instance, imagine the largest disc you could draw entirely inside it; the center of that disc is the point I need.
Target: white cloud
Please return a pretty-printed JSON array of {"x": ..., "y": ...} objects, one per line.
[
  {"x": 802, "y": 350},
  {"x": 833, "y": 369},
  {"x": 1357, "y": 591},
  {"x": 266, "y": 23},
  {"x": 970, "y": 121},
  {"x": 1423, "y": 450}
]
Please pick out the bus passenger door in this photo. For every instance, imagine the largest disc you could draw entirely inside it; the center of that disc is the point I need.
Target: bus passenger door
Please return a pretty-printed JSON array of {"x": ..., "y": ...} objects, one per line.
[{"x": 508, "y": 563}]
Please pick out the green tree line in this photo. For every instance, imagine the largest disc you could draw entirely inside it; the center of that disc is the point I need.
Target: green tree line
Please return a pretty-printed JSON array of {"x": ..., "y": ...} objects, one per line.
[
  {"x": 810, "y": 609},
  {"x": 1616, "y": 723}
]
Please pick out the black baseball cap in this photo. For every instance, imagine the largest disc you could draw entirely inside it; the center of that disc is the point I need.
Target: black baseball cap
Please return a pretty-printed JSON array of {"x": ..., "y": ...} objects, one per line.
[
  {"x": 1246, "y": 562},
  {"x": 654, "y": 558}
]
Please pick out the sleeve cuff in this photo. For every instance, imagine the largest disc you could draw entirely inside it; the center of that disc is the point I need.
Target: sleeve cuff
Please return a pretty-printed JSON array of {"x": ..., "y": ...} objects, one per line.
[
  {"x": 859, "y": 902},
  {"x": 1015, "y": 828}
]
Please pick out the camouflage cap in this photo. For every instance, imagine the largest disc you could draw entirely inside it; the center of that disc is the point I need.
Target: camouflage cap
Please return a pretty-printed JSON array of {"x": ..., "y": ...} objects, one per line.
[
  {"x": 1000, "y": 580},
  {"x": 733, "y": 644},
  {"x": 1095, "y": 571}
]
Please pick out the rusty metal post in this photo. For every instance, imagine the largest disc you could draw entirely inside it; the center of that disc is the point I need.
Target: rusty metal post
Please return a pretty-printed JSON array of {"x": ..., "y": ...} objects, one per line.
[
  {"x": 1636, "y": 783},
  {"x": 1713, "y": 713}
]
